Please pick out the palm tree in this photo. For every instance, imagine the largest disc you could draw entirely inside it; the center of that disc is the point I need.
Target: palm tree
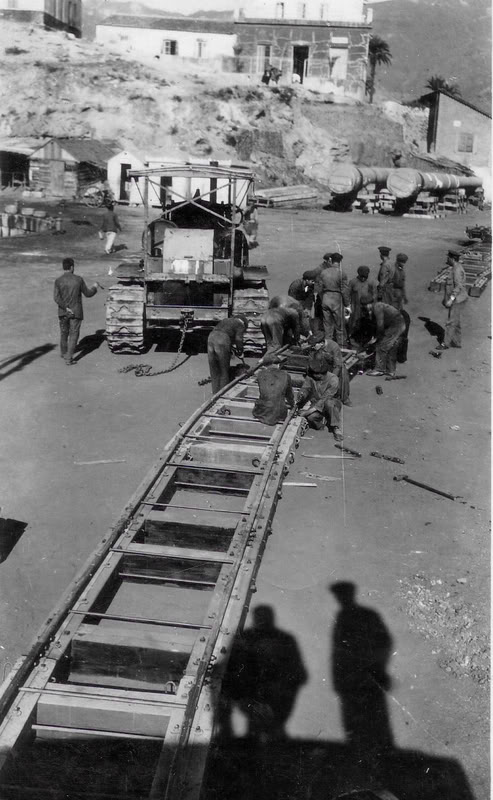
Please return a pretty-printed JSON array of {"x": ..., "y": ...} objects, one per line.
[
  {"x": 378, "y": 53},
  {"x": 436, "y": 82}
]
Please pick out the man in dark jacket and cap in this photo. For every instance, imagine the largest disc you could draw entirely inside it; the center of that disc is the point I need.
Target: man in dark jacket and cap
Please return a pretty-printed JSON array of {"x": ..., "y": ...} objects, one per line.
[
  {"x": 275, "y": 391},
  {"x": 399, "y": 281},
  {"x": 301, "y": 289},
  {"x": 385, "y": 276},
  {"x": 362, "y": 292},
  {"x": 227, "y": 334}
]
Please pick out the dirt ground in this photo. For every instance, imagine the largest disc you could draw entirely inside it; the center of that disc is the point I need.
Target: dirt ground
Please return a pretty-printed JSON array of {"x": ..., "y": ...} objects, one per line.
[{"x": 421, "y": 562}]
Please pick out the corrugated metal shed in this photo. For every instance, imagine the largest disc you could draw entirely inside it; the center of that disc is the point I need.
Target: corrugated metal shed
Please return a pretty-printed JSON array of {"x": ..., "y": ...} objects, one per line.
[{"x": 195, "y": 25}]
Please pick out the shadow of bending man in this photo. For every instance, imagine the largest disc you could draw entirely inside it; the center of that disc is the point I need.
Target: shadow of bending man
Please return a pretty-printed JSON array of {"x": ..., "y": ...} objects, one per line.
[
  {"x": 265, "y": 673},
  {"x": 361, "y": 652}
]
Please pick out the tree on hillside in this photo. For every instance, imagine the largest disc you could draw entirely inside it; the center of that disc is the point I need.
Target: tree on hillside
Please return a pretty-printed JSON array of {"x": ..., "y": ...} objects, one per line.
[
  {"x": 436, "y": 82},
  {"x": 378, "y": 54}
]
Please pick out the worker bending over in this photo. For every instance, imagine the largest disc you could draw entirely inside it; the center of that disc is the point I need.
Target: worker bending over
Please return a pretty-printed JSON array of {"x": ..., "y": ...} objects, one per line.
[
  {"x": 286, "y": 301},
  {"x": 390, "y": 326},
  {"x": 224, "y": 339},
  {"x": 275, "y": 391},
  {"x": 280, "y": 326}
]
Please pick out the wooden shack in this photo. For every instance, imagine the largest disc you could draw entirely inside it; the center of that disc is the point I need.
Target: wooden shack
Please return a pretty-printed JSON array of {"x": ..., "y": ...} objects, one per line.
[{"x": 66, "y": 167}]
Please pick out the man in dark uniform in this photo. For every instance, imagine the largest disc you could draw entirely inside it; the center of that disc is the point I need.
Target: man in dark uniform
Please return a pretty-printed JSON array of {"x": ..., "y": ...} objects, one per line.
[
  {"x": 275, "y": 391},
  {"x": 399, "y": 282},
  {"x": 333, "y": 289},
  {"x": 227, "y": 334},
  {"x": 362, "y": 292},
  {"x": 280, "y": 326},
  {"x": 302, "y": 289},
  {"x": 385, "y": 276},
  {"x": 67, "y": 294},
  {"x": 390, "y": 326}
]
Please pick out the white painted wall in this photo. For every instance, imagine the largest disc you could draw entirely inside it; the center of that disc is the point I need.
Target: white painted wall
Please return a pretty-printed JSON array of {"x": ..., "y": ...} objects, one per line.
[
  {"x": 330, "y": 10},
  {"x": 151, "y": 41},
  {"x": 114, "y": 175},
  {"x": 66, "y": 11},
  {"x": 24, "y": 5}
]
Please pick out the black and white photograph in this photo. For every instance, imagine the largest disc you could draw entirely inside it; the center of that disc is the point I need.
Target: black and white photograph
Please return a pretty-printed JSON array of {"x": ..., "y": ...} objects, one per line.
[{"x": 245, "y": 536}]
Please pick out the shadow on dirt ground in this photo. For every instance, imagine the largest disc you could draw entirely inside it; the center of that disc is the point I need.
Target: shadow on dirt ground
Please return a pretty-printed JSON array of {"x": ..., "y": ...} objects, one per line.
[
  {"x": 266, "y": 672},
  {"x": 17, "y": 363}
]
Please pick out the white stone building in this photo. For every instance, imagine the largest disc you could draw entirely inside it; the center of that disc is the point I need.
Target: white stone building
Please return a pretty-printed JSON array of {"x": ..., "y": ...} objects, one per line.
[{"x": 59, "y": 14}]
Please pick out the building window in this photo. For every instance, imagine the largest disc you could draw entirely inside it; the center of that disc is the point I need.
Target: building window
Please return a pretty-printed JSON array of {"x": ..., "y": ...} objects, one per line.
[
  {"x": 301, "y": 10},
  {"x": 324, "y": 11},
  {"x": 200, "y": 48},
  {"x": 280, "y": 10},
  {"x": 170, "y": 47},
  {"x": 12, "y": 4},
  {"x": 465, "y": 143}
]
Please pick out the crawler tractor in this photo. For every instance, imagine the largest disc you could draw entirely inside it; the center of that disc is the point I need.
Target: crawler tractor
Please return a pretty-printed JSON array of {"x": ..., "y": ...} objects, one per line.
[{"x": 195, "y": 268}]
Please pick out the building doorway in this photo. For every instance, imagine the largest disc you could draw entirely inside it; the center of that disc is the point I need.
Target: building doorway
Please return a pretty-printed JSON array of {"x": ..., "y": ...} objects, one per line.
[
  {"x": 300, "y": 58},
  {"x": 165, "y": 196},
  {"x": 124, "y": 182}
]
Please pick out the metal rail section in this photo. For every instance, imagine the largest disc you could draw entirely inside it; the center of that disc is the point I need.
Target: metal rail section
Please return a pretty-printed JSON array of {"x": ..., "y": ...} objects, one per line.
[{"x": 118, "y": 695}]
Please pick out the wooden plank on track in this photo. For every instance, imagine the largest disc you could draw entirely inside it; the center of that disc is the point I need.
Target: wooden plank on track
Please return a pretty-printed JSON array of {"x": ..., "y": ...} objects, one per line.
[
  {"x": 175, "y": 552},
  {"x": 100, "y": 713}
]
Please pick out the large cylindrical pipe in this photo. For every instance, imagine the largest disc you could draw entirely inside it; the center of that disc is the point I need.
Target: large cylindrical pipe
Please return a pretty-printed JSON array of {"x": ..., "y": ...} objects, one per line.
[
  {"x": 348, "y": 179},
  {"x": 403, "y": 183}
]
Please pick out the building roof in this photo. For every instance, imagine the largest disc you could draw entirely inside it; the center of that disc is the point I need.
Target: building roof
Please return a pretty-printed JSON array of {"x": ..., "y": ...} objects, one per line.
[
  {"x": 431, "y": 95},
  {"x": 192, "y": 24},
  {"x": 302, "y": 23},
  {"x": 88, "y": 151},
  {"x": 24, "y": 145}
]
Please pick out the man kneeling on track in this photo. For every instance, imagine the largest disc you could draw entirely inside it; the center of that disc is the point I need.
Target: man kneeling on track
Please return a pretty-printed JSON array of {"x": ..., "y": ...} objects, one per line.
[
  {"x": 275, "y": 391},
  {"x": 321, "y": 389}
]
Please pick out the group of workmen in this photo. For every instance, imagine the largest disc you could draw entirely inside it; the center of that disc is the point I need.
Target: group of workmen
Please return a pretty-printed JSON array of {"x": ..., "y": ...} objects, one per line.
[{"x": 325, "y": 313}]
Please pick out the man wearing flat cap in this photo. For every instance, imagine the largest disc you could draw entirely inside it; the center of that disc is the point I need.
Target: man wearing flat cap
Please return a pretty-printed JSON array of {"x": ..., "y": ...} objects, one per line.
[
  {"x": 390, "y": 326},
  {"x": 362, "y": 292},
  {"x": 327, "y": 357},
  {"x": 301, "y": 289},
  {"x": 333, "y": 289},
  {"x": 455, "y": 299},
  {"x": 275, "y": 391},
  {"x": 227, "y": 334},
  {"x": 385, "y": 276},
  {"x": 399, "y": 282},
  {"x": 320, "y": 388}
]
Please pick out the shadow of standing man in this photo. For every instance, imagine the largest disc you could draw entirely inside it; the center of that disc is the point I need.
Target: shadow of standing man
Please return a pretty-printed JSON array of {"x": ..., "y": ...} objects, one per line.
[
  {"x": 361, "y": 649},
  {"x": 266, "y": 672}
]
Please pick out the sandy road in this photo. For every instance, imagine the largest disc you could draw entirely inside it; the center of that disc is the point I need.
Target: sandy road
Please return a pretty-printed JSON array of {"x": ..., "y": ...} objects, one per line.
[{"x": 362, "y": 527}]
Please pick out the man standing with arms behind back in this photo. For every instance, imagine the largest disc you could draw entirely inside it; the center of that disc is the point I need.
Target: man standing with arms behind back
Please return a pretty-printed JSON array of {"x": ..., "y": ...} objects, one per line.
[{"x": 67, "y": 294}]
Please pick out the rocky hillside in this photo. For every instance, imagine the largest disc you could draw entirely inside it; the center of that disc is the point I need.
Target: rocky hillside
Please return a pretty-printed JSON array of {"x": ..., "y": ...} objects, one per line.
[{"x": 51, "y": 85}]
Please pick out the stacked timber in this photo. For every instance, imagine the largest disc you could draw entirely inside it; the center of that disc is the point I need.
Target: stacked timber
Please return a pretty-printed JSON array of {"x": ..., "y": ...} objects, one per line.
[
  {"x": 253, "y": 302},
  {"x": 476, "y": 261},
  {"x": 284, "y": 195}
]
